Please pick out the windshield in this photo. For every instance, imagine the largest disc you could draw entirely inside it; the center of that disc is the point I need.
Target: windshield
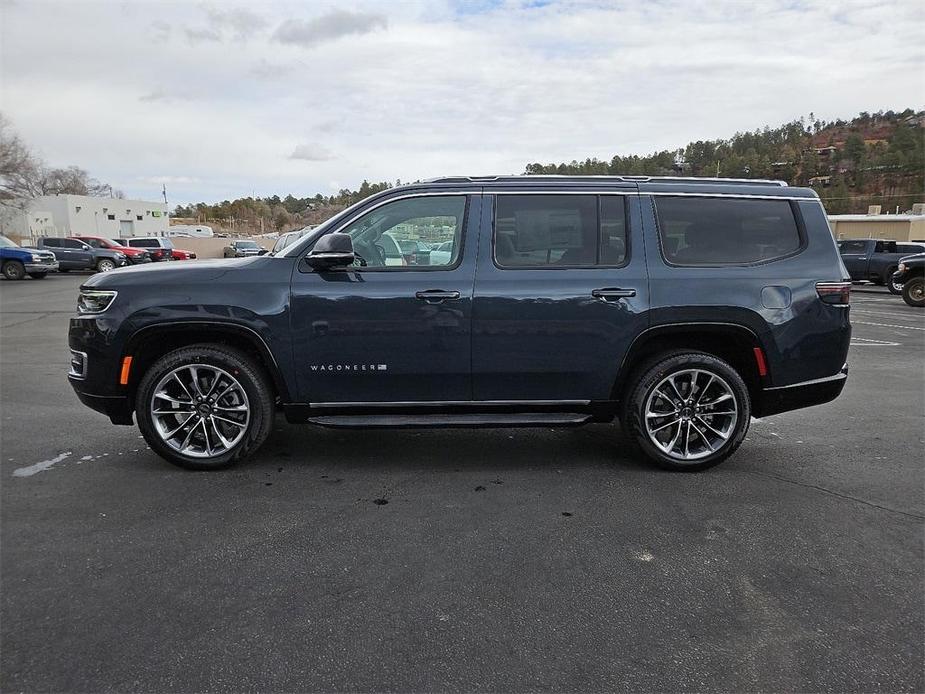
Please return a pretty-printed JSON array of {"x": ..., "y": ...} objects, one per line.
[
  {"x": 247, "y": 244},
  {"x": 166, "y": 243},
  {"x": 6, "y": 243}
]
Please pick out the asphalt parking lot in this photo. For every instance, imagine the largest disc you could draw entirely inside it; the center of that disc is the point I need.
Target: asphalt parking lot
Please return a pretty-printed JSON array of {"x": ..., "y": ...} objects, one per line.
[{"x": 503, "y": 560}]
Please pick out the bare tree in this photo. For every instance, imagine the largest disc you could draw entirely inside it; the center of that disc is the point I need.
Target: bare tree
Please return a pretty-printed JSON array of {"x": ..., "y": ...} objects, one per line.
[
  {"x": 20, "y": 169},
  {"x": 24, "y": 175},
  {"x": 72, "y": 181}
]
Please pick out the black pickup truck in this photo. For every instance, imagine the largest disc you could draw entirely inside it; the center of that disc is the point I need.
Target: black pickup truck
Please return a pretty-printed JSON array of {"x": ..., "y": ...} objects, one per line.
[
  {"x": 876, "y": 260},
  {"x": 911, "y": 277}
]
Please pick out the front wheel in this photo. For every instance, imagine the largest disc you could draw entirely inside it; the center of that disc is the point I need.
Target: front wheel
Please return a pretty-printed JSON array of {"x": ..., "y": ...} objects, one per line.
[
  {"x": 204, "y": 407},
  {"x": 914, "y": 291},
  {"x": 687, "y": 411},
  {"x": 105, "y": 265},
  {"x": 14, "y": 270},
  {"x": 894, "y": 287}
]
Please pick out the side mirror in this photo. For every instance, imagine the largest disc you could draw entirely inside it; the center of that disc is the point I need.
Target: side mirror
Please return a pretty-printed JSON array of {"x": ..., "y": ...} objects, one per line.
[{"x": 330, "y": 251}]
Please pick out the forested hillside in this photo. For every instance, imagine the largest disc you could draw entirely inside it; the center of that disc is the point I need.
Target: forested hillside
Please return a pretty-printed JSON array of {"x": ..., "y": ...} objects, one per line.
[{"x": 872, "y": 159}]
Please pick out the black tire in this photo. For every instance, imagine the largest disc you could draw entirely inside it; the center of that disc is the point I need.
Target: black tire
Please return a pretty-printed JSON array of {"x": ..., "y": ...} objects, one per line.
[
  {"x": 888, "y": 281},
  {"x": 914, "y": 291},
  {"x": 652, "y": 373},
  {"x": 248, "y": 373},
  {"x": 38, "y": 275},
  {"x": 105, "y": 265},
  {"x": 14, "y": 270}
]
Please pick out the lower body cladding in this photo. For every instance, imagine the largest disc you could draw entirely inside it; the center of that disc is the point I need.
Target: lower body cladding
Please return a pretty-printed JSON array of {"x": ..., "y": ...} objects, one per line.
[{"x": 769, "y": 401}]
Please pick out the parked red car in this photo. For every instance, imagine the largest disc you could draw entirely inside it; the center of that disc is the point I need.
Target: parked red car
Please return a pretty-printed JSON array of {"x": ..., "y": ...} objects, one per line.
[
  {"x": 136, "y": 256},
  {"x": 159, "y": 247}
]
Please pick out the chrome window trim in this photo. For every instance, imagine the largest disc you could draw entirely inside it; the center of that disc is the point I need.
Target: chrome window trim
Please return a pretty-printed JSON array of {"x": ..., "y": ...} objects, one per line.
[{"x": 729, "y": 195}]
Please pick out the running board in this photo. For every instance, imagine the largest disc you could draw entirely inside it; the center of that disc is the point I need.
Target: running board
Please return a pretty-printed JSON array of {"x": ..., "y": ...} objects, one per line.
[{"x": 417, "y": 421}]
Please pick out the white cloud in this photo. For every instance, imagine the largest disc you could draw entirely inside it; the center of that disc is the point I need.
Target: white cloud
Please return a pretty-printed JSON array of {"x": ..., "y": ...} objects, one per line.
[
  {"x": 311, "y": 151},
  {"x": 219, "y": 101},
  {"x": 328, "y": 27}
]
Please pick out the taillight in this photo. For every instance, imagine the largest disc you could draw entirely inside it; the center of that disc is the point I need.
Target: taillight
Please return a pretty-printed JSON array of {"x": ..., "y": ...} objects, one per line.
[{"x": 836, "y": 293}]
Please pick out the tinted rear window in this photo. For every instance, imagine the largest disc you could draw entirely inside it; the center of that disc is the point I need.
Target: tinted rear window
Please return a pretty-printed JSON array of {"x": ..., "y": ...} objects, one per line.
[
  {"x": 562, "y": 230},
  {"x": 725, "y": 231},
  {"x": 852, "y": 246}
]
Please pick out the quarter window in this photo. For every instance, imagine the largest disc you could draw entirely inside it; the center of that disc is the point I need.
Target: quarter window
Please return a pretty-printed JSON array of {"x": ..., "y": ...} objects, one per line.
[
  {"x": 559, "y": 230},
  {"x": 725, "y": 231},
  {"x": 410, "y": 233}
]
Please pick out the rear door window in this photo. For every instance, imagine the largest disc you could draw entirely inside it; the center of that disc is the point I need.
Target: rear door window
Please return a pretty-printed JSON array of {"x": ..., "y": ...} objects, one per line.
[
  {"x": 560, "y": 230},
  {"x": 725, "y": 231}
]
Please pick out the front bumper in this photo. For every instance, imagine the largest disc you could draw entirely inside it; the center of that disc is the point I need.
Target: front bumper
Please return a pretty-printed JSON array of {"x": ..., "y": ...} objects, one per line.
[
  {"x": 41, "y": 267},
  {"x": 117, "y": 407},
  {"x": 800, "y": 395},
  {"x": 140, "y": 259}
]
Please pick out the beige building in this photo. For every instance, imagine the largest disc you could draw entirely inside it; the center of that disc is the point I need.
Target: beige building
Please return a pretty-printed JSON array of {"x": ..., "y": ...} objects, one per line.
[{"x": 896, "y": 227}]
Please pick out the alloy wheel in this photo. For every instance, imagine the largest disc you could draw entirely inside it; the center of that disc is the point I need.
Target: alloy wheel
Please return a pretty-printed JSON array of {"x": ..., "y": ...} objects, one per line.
[
  {"x": 691, "y": 414},
  {"x": 200, "y": 411}
]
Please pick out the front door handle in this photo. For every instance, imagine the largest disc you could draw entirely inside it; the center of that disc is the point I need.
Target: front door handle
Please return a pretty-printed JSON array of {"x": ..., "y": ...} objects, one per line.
[
  {"x": 608, "y": 293},
  {"x": 436, "y": 296}
]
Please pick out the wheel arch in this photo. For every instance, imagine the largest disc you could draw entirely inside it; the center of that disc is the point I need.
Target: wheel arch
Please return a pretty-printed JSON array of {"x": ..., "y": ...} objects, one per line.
[
  {"x": 731, "y": 342},
  {"x": 149, "y": 343}
]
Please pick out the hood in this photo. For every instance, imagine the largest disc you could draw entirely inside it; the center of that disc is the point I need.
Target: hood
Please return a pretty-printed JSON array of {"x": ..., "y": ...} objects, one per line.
[{"x": 159, "y": 274}]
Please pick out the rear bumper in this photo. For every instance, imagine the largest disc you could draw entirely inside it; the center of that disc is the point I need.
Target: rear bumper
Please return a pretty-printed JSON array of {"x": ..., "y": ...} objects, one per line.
[{"x": 800, "y": 395}]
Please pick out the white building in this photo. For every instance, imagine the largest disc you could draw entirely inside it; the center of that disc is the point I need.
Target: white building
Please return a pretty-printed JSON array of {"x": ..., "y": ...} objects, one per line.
[{"x": 82, "y": 215}]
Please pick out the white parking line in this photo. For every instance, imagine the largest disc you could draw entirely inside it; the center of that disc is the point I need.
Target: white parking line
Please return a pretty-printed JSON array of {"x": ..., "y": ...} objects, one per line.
[
  {"x": 887, "y": 325},
  {"x": 867, "y": 342},
  {"x": 904, "y": 316}
]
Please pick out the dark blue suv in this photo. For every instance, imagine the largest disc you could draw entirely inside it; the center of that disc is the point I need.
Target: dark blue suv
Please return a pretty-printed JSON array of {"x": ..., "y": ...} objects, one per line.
[{"x": 683, "y": 307}]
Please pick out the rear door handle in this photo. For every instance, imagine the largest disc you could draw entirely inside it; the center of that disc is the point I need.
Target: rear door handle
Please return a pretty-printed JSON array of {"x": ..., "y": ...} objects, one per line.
[
  {"x": 436, "y": 296},
  {"x": 608, "y": 293}
]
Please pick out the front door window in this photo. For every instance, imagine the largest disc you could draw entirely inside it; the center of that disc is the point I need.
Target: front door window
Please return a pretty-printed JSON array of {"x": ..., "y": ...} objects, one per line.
[{"x": 405, "y": 234}]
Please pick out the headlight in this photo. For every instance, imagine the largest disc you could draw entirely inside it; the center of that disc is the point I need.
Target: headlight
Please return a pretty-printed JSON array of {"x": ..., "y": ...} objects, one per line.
[
  {"x": 36, "y": 258},
  {"x": 94, "y": 301},
  {"x": 901, "y": 268}
]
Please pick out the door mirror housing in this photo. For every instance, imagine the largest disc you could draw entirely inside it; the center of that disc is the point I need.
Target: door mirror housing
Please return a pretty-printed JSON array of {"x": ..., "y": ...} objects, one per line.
[{"x": 330, "y": 251}]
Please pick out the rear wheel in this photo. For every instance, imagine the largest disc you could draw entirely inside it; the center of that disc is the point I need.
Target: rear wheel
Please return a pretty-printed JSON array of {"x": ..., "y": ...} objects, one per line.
[
  {"x": 914, "y": 291},
  {"x": 38, "y": 275},
  {"x": 687, "y": 411},
  {"x": 204, "y": 407},
  {"x": 13, "y": 270}
]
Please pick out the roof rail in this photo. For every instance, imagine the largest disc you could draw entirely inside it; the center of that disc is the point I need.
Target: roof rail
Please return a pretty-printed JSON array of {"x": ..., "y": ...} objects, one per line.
[{"x": 623, "y": 179}]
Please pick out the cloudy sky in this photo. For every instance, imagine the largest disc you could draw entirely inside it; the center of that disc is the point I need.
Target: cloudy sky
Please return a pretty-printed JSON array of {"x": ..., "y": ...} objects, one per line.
[{"x": 224, "y": 99}]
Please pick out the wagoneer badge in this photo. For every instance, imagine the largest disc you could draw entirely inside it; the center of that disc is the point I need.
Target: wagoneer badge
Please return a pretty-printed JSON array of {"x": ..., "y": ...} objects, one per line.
[{"x": 349, "y": 367}]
